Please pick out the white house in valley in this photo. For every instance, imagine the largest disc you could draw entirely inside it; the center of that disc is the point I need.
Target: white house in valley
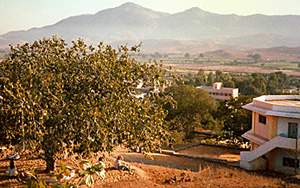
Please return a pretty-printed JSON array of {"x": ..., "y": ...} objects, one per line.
[
  {"x": 219, "y": 92},
  {"x": 274, "y": 134}
]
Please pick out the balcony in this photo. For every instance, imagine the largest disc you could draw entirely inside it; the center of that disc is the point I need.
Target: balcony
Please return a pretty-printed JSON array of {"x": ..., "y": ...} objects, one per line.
[{"x": 255, "y": 138}]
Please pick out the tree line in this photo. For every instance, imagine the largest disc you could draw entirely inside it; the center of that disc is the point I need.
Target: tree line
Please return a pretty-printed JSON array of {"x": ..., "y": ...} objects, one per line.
[
  {"x": 253, "y": 84},
  {"x": 197, "y": 109}
]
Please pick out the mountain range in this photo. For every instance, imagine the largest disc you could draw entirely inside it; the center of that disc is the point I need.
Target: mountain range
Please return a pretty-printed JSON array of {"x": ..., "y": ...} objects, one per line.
[{"x": 193, "y": 30}]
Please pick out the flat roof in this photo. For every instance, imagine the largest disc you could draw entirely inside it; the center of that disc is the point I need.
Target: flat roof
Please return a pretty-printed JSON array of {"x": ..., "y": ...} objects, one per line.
[
  {"x": 276, "y": 105},
  {"x": 287, "y": 102},
  {"x": 209, "y": 87}
]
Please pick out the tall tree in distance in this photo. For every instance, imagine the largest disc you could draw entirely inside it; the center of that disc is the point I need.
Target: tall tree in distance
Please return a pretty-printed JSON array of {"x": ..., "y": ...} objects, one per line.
[
  {"x": 277, "y": 80},
  {"x": 256, "y": 57},
  {"x": 236, "y": 119},
  {"x": 200, "y": 78},
  {"x": 78, "y": 99},
  {"x": 210, "y": 79},
  {"x": 194, "y": 107}
]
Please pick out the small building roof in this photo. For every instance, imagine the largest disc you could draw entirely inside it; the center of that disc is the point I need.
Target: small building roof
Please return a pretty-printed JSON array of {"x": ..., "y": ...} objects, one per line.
[
  {"x": 209, "y": 87},
  {"x": 276, "y": 105}
]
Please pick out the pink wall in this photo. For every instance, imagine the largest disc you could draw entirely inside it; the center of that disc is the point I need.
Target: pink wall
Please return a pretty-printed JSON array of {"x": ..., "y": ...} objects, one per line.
[
  {"x": 263, "y": 104},
  {"x": 261, "y": 129},
  {"x": 233, "y": 93},
  {"x": 254, "y": 146}
]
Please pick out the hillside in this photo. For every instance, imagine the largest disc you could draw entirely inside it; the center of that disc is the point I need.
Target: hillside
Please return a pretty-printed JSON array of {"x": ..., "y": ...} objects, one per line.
[
  {"x": 279, "y": 53},
  {"x": 211, "y": 175},
  {"x": 132, "y": 22}
]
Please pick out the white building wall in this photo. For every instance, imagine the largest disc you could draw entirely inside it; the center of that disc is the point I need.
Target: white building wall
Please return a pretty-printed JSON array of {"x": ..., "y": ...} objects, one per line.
[
  {"x": 235, "y": 92},
  {"x": 283, "y": 126},
  {"x": 278, "y": 165}
]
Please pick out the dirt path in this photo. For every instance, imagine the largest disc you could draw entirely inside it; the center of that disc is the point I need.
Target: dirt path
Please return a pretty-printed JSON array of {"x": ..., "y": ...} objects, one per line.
[
  {"x": 228, "y": 154},
  {"x": 158, "y": 159}
]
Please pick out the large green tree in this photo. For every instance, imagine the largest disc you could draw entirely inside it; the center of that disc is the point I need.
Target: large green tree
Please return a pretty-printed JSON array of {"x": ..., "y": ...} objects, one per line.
[
  {"x": 236, "y": 119},
  {"x": 193, "y": 109},
  {"x": 254, "y": 85},
  {"x": 277, "y": 80},
  {"x": 78, "y": 99}
]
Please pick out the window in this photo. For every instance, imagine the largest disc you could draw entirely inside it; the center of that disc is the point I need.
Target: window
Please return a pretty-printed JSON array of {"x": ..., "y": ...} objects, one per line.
[
  {"x": 229, "y": 94},
  {"x": 293, "y": 130},
  {"x": 290, "y": 162},
  {"x": 226, "y": 94},
  {"x": 214, "y": 93},
  {"x": 262, "y": 119},
  {"x": 217, "y": 93},
  {"x": 210, "y": 93},
  {"x": 221, "y": 94}
]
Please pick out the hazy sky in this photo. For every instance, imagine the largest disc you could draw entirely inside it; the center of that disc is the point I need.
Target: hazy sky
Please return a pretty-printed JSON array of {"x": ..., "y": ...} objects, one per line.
[{"x": 25, "y": 14}]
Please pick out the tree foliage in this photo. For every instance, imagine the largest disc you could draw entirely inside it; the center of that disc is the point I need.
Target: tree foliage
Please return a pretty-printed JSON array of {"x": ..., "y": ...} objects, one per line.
[
  {"x": 277, "y": 80},
  {"x": 254, "y": 84},
  {"x": 80, "y": 99},
  {"x": 187, "y": 55},
  {"x": 255, "y": 56},
  {"x": 236, "y": 119},
  {"x": 194, "y": 107}
]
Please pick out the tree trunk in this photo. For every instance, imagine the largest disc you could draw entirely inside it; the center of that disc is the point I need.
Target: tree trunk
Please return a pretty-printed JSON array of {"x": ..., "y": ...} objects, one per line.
[{"x": 50, "y": 164}]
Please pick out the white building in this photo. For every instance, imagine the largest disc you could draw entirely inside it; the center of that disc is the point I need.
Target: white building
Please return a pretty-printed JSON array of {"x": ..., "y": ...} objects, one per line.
[
  {"x": 274, "y": 133},
  {"x": 219, "y": 92}
]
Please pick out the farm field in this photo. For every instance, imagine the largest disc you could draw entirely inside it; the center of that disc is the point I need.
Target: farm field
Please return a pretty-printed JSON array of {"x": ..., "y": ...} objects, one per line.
[
  {"x": 185, "y": 65},
  {"x": 228, "y": 68}
]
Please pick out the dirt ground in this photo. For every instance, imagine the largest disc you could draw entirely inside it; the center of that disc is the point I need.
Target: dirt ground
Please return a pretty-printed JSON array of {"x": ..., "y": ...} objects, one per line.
[
  {"x": 228, "y": 154},
  {"x": 162, "y": 171}
]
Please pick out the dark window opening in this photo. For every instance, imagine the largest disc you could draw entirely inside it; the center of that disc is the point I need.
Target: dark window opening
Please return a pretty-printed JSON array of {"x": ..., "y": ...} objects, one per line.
[
  {"x": 293, "y": 130},
  {"x": 262, "y": 119},
  {"x": 290, "y": 162}
]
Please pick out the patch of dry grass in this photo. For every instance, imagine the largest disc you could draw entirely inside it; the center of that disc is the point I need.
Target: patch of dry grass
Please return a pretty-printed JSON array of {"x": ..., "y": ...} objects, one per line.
[{"x": 142, "y": 175}]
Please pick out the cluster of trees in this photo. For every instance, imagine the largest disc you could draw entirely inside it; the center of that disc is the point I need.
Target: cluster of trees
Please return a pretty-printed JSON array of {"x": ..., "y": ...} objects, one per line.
[
  {"x": 155, "y": 55},
  {"x": 78, "y": 99},
  {"x": 235, "y": 120},
  {"x": 254, "y": 84},
  {"x": 226, "y": 116},
  {"x": 197, "y": 109},
  {"x": 255, "y": 56},
  {"x": 193, "y": 109}
]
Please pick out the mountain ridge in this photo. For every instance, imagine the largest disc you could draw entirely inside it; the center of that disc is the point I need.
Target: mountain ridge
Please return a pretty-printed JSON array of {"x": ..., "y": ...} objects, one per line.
[{"x": 131, "y": 21}]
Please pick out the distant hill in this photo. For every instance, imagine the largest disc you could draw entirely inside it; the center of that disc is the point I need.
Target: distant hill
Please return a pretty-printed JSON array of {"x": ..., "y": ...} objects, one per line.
[
  {"x": 279, "y": 53},
  {"x": 226, "y": 54},
  {"x": 193, "y": 27},
  {"x": 272, "y": 54}
]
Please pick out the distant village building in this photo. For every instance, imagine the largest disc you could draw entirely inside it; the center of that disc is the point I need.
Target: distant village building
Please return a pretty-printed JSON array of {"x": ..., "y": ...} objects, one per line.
[
  {"x": 144, "y": 91},
  {"x": 274, "y": 134},
  {"x": 293, "y": 91},
  {"x": 219, "y": 92}
]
